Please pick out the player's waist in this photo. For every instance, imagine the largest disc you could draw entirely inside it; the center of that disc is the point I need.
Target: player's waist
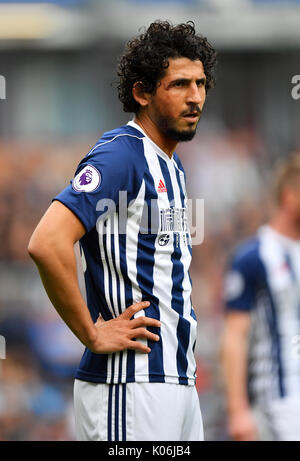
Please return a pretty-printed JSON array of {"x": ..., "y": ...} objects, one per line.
[
  {"x": 94, "y": 377},
  {"x": 170, "y": 361}
]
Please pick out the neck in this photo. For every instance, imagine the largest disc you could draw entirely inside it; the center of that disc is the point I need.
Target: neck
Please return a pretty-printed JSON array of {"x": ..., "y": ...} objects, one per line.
[
  {"x": 155, "y": 134},
  {"x": 283, "y": 224}
]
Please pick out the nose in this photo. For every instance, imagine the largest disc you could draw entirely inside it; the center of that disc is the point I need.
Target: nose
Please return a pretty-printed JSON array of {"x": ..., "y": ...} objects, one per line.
[{"x": 196, "y": 94}]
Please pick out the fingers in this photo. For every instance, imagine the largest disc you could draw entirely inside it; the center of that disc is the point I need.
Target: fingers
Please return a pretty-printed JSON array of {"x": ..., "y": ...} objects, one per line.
[
  {"x": 143, "y": 333},
  {"x": 133, "y": 309},
  {"x": 135, "y": 345},
  {"x": 145, "y": 322}
]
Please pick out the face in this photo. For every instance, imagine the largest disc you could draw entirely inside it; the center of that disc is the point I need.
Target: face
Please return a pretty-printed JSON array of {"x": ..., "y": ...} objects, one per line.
[{"x": 177, "y": 103}]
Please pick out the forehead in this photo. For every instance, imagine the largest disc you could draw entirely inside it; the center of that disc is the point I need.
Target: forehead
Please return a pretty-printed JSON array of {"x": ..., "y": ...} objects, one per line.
[{"x": 184, "y": 68}]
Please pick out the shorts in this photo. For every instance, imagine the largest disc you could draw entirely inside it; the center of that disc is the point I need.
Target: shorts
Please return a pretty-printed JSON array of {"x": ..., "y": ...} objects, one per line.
[
  {"x": 279, "y": 420},
  {"x": 137, "y": 412}
]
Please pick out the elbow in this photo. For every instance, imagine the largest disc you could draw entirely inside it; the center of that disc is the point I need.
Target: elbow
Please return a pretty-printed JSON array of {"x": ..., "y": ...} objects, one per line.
[
  {"x": 37, "y": 248},
  {"x": 32, "y": 248}
]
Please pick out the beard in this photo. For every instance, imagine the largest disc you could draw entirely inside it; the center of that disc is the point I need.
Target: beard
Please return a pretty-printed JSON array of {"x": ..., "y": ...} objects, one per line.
[
  {"x": 168, "y": 128},
  {"x": 180, "y": 135}
]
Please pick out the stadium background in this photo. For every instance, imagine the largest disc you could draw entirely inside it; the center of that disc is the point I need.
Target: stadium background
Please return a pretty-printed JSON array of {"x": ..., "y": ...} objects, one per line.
[{"x": 58, "y": 59}]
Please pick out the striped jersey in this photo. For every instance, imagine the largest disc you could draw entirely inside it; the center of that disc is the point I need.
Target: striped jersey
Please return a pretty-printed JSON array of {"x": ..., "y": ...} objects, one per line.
[
  {"x": 264, "y": 279},
  {"x": 131, "y": 198}
]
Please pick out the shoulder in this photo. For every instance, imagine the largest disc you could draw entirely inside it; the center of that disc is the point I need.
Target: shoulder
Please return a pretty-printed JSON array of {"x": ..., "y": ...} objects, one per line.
[
  {"x": 244, "y": 273},
  {"x": 117, "y": 161},
  {"x": 123, "y": 143},
  {"x": 246, "y": 256},
  {"x": 120, "y": 151}
]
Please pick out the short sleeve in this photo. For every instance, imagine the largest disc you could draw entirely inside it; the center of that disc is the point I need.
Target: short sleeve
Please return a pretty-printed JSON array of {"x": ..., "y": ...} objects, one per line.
[
  {"x": 113, "y": 168},
  {"x": 240, "y": 281}
]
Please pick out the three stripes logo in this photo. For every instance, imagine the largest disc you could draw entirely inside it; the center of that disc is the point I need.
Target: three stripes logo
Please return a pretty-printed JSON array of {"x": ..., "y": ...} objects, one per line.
[{"x": 161, "y": 187}]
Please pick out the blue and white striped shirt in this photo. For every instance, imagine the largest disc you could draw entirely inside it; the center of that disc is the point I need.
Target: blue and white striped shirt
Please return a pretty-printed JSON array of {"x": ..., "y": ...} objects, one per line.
[
  {"x": 264, "y": 279},
  {"x": 132, "y": 201}
]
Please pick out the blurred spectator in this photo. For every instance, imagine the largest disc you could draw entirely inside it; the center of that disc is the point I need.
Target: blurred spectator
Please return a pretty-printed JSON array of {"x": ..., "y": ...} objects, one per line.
[{"x": 30, "y": 409}]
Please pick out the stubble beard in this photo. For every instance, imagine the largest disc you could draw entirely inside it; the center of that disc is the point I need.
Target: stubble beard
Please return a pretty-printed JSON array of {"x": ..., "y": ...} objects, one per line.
[{"x": 166, "y": 125}]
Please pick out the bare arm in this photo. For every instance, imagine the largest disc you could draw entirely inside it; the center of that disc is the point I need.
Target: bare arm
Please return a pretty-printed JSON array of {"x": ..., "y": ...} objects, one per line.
[
  {"x": 52, "y": 249},
  {"x": 234, "y": 360}
]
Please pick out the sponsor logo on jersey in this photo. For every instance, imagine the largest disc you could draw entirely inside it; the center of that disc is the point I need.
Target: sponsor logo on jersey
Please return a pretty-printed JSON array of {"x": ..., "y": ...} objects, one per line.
[
  {"x": 87, "y": 180},
  {"x": 161, "y": 186},
  {"x": 173, "y": 220},
  {"x": 164, "y": 240}
]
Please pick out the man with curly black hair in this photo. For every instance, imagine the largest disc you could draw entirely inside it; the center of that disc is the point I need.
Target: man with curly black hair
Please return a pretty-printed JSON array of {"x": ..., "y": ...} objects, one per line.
[
  {"x": 143, "y": 70},
  {"x": 127, "y": 208}
]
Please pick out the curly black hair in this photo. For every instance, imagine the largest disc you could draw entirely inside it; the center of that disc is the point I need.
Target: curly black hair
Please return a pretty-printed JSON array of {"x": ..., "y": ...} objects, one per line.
[{"x": 146, "y": 57}]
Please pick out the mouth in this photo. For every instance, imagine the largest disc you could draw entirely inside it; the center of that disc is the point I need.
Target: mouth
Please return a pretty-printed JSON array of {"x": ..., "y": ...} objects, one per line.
[{"x": 192, "y": 116}]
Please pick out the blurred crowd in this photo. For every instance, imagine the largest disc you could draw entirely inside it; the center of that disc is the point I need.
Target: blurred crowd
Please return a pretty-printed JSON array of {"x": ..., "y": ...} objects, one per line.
[
  {"x": 229, "y": 169},
  {"x": 41, "y": 353}
]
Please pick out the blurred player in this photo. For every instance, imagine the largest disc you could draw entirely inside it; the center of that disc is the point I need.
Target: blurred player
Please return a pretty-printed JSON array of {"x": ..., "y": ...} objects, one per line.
[
  {"x": 127, "y": 206},
  {"x": 261, "y": 354}
]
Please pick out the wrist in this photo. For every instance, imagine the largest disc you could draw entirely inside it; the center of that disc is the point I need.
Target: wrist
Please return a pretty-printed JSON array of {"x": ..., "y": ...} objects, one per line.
[{"x": 91, "y": 338}]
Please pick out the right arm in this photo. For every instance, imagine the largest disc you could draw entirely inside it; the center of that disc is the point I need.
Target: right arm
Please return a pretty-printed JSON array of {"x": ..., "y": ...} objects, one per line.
[
  {"x": 241, "y": 424},
  {"x": 52, "y": 249}
]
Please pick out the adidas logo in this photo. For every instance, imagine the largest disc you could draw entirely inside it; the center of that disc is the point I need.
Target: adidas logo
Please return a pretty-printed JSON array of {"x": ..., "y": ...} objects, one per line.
[{"x": 161, "y": 187}]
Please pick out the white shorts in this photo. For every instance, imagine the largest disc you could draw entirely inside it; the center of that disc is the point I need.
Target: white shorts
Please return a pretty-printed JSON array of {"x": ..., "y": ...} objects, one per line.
[
  {"x": 137, "y": 412},
  {"x": 279, "y": 420}
]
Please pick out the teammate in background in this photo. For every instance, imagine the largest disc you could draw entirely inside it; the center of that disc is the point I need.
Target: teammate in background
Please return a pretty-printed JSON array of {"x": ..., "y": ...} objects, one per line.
[
  {"x": 260, "y": 356},
  {"x": 136, "y": 377}
]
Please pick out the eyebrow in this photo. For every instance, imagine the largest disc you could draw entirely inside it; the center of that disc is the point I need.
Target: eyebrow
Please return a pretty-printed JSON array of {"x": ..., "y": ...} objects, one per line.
[{"x": 186, "y": 80}]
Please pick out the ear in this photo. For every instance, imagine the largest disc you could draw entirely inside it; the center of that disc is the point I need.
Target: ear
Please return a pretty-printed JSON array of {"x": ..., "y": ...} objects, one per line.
[{"x": 140, "y": 95}]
